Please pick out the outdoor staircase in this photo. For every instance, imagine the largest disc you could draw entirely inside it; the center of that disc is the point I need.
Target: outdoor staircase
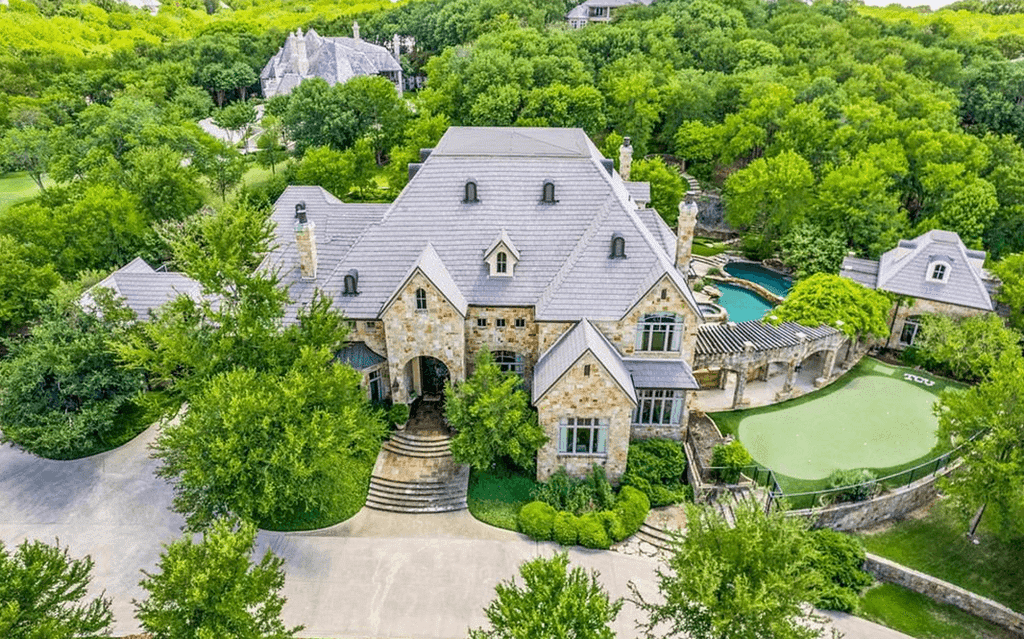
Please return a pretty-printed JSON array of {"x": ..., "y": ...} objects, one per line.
[
  {"x": 415, "y": 473},
  {"x": 692, "y": 184},
  {"x": 724, "y": 501}
]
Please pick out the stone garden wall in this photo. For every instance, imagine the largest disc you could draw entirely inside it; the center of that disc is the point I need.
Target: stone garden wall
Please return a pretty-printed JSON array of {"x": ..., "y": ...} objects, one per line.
[{"x": 945, "y": 592}]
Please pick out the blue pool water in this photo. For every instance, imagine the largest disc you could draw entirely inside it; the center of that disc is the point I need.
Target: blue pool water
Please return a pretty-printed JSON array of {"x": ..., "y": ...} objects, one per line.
[
  {"x": 743, "y": 305},
  {"x": 760, "y": 275}
]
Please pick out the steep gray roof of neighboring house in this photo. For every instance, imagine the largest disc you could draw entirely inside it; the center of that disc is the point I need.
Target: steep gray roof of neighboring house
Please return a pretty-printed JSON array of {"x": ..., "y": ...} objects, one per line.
[
  {"x": 144, "y": 289},
  {"x": 359, "y": 356},
  {"x": 564, "y": 270},
  {"x": 336, "y": 60},
  {"x": 569, "y": 348},
  {"x": 581, "y": 10},
  {"x": 661, "y": 373},
  {"x": 905, "y": 270}
]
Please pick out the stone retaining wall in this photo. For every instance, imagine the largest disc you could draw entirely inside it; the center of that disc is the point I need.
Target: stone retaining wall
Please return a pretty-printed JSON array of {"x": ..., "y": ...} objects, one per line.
[
  {"x": 868, "y": 513},
  {"x": 945, "y": 592}
]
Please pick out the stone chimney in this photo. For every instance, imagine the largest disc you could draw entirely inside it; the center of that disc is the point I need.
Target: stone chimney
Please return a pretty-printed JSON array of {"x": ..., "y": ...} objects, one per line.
[
  {"x": 684, "y": 238},
  {"x": 305, "y": 238},
  {"x": 301, "y": 56},
  {"x": 355, "y": 29},
  {"x": 625, "y": 158}
]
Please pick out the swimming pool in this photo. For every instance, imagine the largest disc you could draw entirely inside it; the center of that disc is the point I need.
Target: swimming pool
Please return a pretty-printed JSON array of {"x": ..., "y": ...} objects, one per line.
[
  {"x": 758, "y": 274},
  {"x": 743, "y": 305}
]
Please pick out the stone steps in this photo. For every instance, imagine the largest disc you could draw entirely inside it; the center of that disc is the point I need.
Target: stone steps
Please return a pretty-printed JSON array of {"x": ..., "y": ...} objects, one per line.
[
  {"x": 416, "y": 497},
  {"x": 692, "y": 183},
  {"x": 418, "y": 447},
  {"x": 416, "y": 474}
]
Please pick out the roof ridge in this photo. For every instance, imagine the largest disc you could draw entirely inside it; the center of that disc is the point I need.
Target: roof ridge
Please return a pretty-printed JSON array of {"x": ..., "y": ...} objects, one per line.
[
  {"x": 975, "y": 275},
  {"x": 570, "y": 261}
]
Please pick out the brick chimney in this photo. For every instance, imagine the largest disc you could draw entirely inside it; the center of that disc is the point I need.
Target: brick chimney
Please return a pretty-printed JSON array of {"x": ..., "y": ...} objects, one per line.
[
  {"x": 625, "y": 158},
  {"x": 305, "y": 238},
  {"x": 684, "y": 232}
]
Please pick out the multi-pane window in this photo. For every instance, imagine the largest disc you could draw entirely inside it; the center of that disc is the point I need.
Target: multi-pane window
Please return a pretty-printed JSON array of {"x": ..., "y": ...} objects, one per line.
[
  {"x": 509, "y": 362},
  {"x": 500, "y": 322},
  {"x": 501, "y": 262},
  {"x": 659, "y": 332},
  {"x": 583, "y": 436},
  {"x": 939, "y": 272},
  {"x": 481, "y": 322},
  {"x": 421, "y": 300},
  {"x": 658, "y": 406},
  {"x": 910, "y": 329},
  {"x": 376, "y": 386},
  {"x": 520, "y": 322}
]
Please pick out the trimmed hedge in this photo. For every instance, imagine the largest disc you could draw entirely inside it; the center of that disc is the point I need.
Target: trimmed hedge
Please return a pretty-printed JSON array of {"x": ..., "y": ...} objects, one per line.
[
  {"x": 657, "y": 467},
  {"x": 537, "y": 520},
  {"x": 596, "y": 529}
]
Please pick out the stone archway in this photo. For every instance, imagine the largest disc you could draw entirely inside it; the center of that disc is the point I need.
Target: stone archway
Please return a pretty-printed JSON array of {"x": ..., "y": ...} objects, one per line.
[{"x": 425, "y": 377}]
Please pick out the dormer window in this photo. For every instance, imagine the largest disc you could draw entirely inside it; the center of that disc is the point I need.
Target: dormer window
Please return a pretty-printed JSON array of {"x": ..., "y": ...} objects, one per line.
[
  {"x": 352, "y": 283},
  {"x": 501, "y": 263},
  {"x": 502, "y": 256},
  {"x": 421, "y": 300},
  {"x": 938, "y": 271},
  {"x": 470, "y": 193},
  {"x": 549, "y": 193},
  {"x": 618, "y": 247}
]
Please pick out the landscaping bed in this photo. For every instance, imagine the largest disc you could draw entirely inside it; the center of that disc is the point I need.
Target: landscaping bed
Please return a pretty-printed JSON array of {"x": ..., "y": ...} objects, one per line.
[{"x": 495, "y": 496}]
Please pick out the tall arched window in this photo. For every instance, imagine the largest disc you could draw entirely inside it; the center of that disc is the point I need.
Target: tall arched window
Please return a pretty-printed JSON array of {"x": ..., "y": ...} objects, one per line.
[
  {"x": 659, "y": 332},
  {"x": 501, "y": 262},
  {"x": 470, "y": 192},
  {"x": 421, "y": 300},
  {"x": 549, "y": 193}
]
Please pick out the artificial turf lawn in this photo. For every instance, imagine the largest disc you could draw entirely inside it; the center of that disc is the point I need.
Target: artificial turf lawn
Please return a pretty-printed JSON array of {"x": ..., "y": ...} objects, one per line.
[{"x": 871, "y": 418}]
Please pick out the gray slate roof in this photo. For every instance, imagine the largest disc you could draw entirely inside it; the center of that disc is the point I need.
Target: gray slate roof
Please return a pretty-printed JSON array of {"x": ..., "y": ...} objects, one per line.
[
  {"x": 731, "y": 337},
  {"x": 336, "y": 60},
  {"x": 430, "y": 264},
  {"x": 639, "y": 191},
  {"x": 569, "y": 348},
  {"x": 359, "y": 356},
  {"x": 144, "y": 289},
  {"x": 661, "y": 373},
  {"x": 904, "y": 270},
  {"x": 564, "y": 270},
  {"x": 582, "y": 10}
]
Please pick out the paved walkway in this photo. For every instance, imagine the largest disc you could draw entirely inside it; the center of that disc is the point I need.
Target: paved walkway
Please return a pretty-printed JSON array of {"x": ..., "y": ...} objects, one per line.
[{"x": 376, "y": 575}]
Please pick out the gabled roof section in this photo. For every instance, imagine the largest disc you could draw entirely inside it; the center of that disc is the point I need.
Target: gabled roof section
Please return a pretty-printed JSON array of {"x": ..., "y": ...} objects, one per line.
[
  {"x": 433, "y": 268},
  {"x": 904, "y": 270},
  {"x": 502, "y": 238},
  {"x": 569, "y": 348},
  {"x": 144, "y": 289},
  {"x": 661, "y": 373}
]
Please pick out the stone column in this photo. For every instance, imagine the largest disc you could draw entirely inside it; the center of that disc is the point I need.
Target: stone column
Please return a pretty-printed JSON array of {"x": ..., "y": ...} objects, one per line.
[
  {"x": 791, "y": 375},
  {"x": 685, "y": 225},
  {"x": 852, "y": 350},
  {"x": 625, "y": 158},
  {"x": 763, "y": 377},
  {"x": 826, "y": 370},
  {"x": 741, "y": 379}
]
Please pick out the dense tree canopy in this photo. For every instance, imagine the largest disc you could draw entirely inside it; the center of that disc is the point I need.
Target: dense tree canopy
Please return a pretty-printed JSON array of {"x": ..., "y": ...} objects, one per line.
[{"x": 831, "y": 300}]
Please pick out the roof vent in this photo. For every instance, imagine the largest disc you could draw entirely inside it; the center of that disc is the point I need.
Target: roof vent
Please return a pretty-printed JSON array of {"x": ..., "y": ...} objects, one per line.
[
  {"x": 414, "y": 169},
  {"x": 300, "y": 213},
  {"x": 609, "y": 165},
  {"x": 424, "y": 154}
]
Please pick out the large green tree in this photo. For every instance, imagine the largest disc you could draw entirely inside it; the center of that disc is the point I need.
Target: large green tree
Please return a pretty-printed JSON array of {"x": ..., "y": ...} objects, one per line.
[
  {"x": 211, "y": 588},
  {"x": 987, "y": 420},
  {"x": 666, "y": 186},
  {"x": 492, "y": 418},
  {"x": 43, "y": 595},
  {"x": 1010, "y": 270},
  {"x": 808, "y": 250},
  {"x": 967, "y": 348},
  {"x": 753, "y": 579},
  {"x": 770, "y": 195},
  {"x": 834, "y": 301},
  {"x": 553, "y": 601}
]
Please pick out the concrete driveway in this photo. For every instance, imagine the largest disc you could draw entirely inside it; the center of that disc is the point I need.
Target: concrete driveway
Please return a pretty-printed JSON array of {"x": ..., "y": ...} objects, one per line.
[{"x": 376, "y": 575}]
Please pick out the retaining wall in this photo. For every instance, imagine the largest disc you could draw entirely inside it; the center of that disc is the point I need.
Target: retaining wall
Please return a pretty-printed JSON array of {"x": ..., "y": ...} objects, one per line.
[
  {"x": 945, "y": 592},
  {"x": 868, "y": 513}
]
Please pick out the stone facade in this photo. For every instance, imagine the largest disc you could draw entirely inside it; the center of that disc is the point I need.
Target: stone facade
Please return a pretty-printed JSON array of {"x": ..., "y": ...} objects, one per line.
[
  {"x": 579, "y": 395},
  {"x": 945, "y": 592},
  {"x": 548, "y": 333},
  {"x": 439, "y": 331},
  {"x": 901, "y": 312},
  {"x": 522, "y": 341},
  {"x": 663, "y": 297}
]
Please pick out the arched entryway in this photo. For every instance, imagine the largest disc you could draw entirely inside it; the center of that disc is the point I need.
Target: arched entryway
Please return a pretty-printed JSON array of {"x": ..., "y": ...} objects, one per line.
[{"x": 425, "y": 377}]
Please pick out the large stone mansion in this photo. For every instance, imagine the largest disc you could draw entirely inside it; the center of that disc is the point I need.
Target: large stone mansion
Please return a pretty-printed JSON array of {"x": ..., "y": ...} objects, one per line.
[{"x": 525, "y": 241}]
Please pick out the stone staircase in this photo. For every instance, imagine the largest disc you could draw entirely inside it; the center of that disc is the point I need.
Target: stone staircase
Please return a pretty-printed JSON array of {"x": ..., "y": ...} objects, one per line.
[
  {"x": 415, "y": 473},
  {"x": 692, "y": 184}
]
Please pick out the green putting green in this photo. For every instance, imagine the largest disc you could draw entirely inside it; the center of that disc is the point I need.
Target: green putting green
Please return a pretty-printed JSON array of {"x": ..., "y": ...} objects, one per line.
[{"x": 873, "y": 418}]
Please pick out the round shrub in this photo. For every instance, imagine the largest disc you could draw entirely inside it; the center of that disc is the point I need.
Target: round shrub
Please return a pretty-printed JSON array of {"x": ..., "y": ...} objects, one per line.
[
  {"x": 566, "y": 528},
  {"x": 593, "y": 533},
  {"x": 612, "y": 525},
  {"x": 857, "y": 484},
  {"x": 632, "y": 508},
  {"x": 398, "y": 414},
  {"x": 537, "y": 520},
  {"x": 729, "y": 460}
]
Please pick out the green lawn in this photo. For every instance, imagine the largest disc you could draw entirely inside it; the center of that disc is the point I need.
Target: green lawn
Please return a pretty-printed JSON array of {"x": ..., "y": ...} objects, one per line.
[
  {"x": 18, "y": 187},
  {"x": 918, "y": 616},
  {"x": 871, "y": 418},
  {"x": 707, "y": 247},
  {"x": 937, "y": 545},
  {"x": 495, "y": 497}
]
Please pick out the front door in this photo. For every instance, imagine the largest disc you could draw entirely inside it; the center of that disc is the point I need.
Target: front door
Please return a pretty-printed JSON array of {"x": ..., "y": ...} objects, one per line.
[{"x": 433, "y": 374}]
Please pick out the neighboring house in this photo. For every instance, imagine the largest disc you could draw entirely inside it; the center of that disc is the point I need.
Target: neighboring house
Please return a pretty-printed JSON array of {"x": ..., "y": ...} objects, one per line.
[
  {"x": 144, "y": 289},
  {"x": 152, "y": 6},
  {"x": 336, "y": 60},
  {"x": 597, "y": 11},
  {"x": 244, "y": 139},
  {"x": 934, "y": 274},
  {"x": 526, "y": 242}
]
